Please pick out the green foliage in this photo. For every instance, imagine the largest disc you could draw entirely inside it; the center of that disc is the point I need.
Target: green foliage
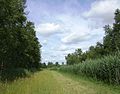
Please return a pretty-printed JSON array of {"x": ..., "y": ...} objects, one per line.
[
  {"x": 19, "y": 46},
  {"x": 56, "y": 64},
  {"x": 75, "y": 57},
  {"x": 12, "y": 74},
  {"x": 111, "y": 40},
  {"x": 51, "y": 64},
  {"x": 43, "y": 65},
  {"x": 106, "y": 69}
]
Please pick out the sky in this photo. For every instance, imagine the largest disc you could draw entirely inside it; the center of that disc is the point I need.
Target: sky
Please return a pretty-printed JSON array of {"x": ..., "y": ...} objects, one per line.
[{"x": 65, "y": 25}]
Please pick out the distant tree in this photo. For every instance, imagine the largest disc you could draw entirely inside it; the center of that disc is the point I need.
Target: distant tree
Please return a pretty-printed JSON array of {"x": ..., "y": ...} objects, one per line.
[
  {"x": 62, "y": 63},
  {"x": 70, "y": 59},
  {"x": 75, "y": 57},
  {"x": 99, "y": 49},
  {"x": 78, "y": 52},
  {"x": 84, "y": 56},
  {"x": 43, "y": 65},
  {"x": 50, "y": 64},
  {"x": 91, "y": 53},
  {"x": 56, "y": 64},
  {"x": 116, "y": 30},
  {"x": 111, "y": 40},
  {"x": 108, "y": 42}
]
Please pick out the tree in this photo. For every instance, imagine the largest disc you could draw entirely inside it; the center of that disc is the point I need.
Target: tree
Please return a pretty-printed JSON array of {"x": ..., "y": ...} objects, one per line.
[
  {"x": 116, "y": 30},
  {"x": 108, "y": 41},
  {"x": 43, "y": 65},
  {"x": 99, "y": 49},
  {"x": 75, "y": 57},
  {"x": 112, "y": 35},
  {"x": 19, "y": 46},
  {"x": 50, "y": 64},
  {"x": 91, "y": 53},
  {"x": 62, "y": 63},
  {"x": 56, "y": 64},
  {"x": 70, "y": 59}
]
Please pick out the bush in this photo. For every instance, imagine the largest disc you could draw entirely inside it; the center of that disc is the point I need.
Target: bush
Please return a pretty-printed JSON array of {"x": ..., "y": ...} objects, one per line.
[
  {"x": 12, "y": 74},
  {"x": 106, "y": 69}
]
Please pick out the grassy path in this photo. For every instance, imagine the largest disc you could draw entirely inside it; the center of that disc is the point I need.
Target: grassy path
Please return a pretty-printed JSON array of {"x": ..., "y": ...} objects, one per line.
[{"x": 52, "y": 82}]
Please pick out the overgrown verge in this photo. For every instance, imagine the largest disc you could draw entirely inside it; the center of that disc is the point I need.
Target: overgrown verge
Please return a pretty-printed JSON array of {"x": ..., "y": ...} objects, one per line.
[
  {"x": 106, "y": 69},
  {"x": 9, "y": 75},
  {"x": 12, "y": 74}
]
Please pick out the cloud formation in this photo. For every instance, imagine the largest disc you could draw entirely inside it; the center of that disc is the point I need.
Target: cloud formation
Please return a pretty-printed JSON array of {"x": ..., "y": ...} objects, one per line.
[
  {"x": 65, "y": 25},
  {"x": 47, "y": 29},
  {"x": 103, "y": 10}
]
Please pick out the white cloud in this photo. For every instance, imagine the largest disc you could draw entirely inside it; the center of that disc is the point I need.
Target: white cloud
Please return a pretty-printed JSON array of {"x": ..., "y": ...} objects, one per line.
[
  {"x": 103, "y": 10},
  {"x": 76, "y": 37},
  {"x": 81, "y": 30},
  {"x": 44, "y": 42},
  {"x": 48, "y": 29},
  {"x": 63, "y": 48},
  {"x": 77, "y": 31}
]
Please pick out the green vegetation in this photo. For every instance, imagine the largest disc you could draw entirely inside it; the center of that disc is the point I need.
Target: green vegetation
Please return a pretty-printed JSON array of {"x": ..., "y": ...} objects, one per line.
[
  {"x": 12, "y": 74},
  {"x": 19, "y": 46},
  {"x": 106, "y": 69},
  {"x": 52, "y": 82},
  {"x": 20, "y": 56},
  {"x": 50, "y": 65},
  {"x": 101, "y": 62},
  {"x": 110, "y": 45}
]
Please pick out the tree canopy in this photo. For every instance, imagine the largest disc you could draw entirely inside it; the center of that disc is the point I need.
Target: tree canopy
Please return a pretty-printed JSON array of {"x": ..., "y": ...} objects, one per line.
[{"x": 19, "y": 46}]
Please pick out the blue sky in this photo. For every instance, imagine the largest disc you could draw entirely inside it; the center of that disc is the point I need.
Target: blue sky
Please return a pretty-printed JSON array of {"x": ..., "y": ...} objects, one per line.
[{"x": 65, "y": 25}]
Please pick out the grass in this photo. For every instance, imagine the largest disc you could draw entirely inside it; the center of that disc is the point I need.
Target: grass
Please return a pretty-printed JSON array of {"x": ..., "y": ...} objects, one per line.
[
  {"x": 40, "y": 83},
  {"x": 98, "y": 86},
  {"x": 52, "y": 82},
  {"x": 106, "y": 69}
]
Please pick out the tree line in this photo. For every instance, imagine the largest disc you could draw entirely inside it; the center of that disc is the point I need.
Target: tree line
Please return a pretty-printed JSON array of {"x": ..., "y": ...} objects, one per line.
[
  {"x": 110, "y": 45},
  {"x": 19, "y": 46},
  {"x": 51, "y": 64}
]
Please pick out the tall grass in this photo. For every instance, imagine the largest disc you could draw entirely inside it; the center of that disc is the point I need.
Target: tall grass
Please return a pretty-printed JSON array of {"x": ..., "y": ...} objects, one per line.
[
  {"x": 52, "y": 82},
  {"x": 9, "y": 75},
  {"x": 106, "y": 69}
]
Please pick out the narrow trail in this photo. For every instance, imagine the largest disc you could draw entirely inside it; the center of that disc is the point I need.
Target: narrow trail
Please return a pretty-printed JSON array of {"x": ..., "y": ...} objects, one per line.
[{"x": 52, "y": 82}]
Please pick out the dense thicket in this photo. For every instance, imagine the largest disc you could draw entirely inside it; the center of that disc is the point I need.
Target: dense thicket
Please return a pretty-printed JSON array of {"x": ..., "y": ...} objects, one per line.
[
  {"x": 106, "y": 69},
  {"x": 19, "y": 46},
  {"x": 110, "y": 45}
]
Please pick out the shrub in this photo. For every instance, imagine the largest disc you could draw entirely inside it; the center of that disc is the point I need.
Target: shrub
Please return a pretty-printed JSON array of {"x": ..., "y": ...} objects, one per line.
[
  {"x": 106, "y": 69},
  {"x": 12, "y": 74}
]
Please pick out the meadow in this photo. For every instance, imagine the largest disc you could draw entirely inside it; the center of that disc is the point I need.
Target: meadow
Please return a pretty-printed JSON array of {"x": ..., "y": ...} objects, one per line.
[{"x": 53, "y": 82}]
